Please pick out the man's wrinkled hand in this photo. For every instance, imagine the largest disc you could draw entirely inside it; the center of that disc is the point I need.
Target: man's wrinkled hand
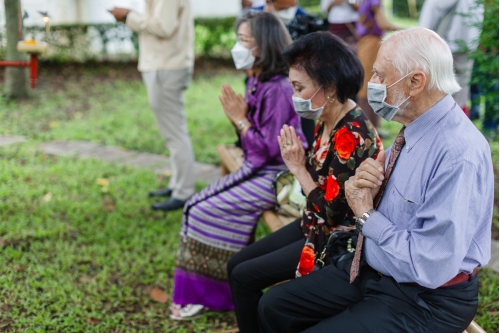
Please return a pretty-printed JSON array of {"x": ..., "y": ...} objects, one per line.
[
  {"x": 360, "y": 199},
  {"x": 370, "y": 174}
]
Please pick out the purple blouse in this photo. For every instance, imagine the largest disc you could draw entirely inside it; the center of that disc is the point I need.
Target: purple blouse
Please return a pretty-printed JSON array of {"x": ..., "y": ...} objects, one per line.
[
  {"x": 269, "y": 108},
  {"x": 366, "y": 24}
]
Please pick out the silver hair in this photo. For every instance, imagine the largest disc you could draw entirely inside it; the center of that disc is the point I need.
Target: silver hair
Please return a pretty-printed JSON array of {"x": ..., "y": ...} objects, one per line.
[{"x": 423, "y": 49}]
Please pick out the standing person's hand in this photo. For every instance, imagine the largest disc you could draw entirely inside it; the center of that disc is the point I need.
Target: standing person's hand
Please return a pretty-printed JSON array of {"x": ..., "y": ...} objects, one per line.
[
  {"x": 292, "y": 149},
  {"x": 119, "y": 13},
  {"x": 234, "y": 105}
]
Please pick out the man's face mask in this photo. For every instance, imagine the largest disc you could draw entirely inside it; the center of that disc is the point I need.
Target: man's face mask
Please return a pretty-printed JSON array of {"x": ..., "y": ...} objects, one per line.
[
  {"x": 242, "y": 57},
  {"x": 285, "y": 15},
  {"x": 377, "y": 93},
  {"x": 303, "y": 107}
]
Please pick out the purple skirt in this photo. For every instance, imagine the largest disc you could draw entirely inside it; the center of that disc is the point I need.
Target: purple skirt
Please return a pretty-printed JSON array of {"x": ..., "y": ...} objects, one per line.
[{"x": 218, "y": 222}]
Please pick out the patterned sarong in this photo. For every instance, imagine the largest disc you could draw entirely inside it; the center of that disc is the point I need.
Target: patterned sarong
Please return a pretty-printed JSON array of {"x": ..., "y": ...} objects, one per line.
[{"x": 217, "y": 222}]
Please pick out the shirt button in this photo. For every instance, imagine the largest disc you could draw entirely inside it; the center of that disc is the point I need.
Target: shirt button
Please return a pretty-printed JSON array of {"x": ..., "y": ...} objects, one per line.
[{"x": 407, "y": 147}]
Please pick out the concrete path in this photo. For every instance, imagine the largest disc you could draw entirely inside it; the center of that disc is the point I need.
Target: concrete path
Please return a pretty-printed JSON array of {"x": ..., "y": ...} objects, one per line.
[
  {"x": 493, "y": 264},
  {"x": 207, "y": 173},
  {"x": 157, "y": 163},
  {"x": 6, "y": 140}
]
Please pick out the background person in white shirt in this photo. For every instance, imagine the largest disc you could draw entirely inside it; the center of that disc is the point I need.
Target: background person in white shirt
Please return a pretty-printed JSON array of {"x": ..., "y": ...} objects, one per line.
[
  {"x": 166, "y": 59},
  {"x": 457, "y": 22},
  {"x": 342, "y": 16}
]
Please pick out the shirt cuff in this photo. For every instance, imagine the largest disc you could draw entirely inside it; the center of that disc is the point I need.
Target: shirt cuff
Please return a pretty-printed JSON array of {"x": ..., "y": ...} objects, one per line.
[{"x": 375, "y": 226}]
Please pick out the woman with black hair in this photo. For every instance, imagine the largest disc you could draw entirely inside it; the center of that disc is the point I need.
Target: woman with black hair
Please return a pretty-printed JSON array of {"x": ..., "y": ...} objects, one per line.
[
  {"x": 324, "y": 72},
  {"x": 220, "y": 220}
]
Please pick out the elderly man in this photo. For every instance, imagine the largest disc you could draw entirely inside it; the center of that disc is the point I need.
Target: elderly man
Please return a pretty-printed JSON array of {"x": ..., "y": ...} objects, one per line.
[
  {"x": 166, "y": 59},
  {"x": 425, "y": 213}
]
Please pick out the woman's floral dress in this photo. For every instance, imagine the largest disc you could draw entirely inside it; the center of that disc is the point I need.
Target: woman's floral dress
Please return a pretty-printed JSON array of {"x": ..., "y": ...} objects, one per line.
[{"x": 353, "y": 140}]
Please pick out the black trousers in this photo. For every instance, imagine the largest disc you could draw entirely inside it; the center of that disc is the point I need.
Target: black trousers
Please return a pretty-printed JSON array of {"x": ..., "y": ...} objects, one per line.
[
  {"x": 325, "y": 301},
  {"x": 271, "y": 260}
]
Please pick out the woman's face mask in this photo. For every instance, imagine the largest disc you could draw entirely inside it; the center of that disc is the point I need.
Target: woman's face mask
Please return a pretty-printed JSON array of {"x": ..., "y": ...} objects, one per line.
[
  {"x": 242, "y": 57},
  {"x": 377, "y": 93},
  {"x": 303, "y": 107}
]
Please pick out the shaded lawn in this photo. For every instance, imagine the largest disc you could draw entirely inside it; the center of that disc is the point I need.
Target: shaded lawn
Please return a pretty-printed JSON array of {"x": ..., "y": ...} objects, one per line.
[{"x": 75, "y": 259}]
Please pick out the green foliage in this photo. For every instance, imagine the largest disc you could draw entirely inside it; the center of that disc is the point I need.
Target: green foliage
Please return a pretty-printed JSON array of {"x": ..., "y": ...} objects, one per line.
[
  {"x": 214, "y": 37},
  {"x": 486, "y": 56}
]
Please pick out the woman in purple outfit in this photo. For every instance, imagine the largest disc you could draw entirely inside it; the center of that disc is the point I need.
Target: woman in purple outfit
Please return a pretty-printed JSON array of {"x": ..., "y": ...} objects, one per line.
[{"x": 220, "y": 220}]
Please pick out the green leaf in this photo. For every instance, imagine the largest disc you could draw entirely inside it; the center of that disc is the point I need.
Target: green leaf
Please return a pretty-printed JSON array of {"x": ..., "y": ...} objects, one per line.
[
  {"x": 351, "y": 164},
  {"x": 343, "y": 177},
  {"x": 356, "y": 112}
]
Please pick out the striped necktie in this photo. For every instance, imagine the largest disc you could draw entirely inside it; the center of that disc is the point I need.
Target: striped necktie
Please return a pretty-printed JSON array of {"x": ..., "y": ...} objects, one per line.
[{"x": 396, "y": 149}]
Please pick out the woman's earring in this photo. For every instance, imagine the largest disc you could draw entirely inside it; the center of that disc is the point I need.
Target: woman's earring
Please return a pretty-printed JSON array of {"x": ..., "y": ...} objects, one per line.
[{"x": 328, "y": 99}]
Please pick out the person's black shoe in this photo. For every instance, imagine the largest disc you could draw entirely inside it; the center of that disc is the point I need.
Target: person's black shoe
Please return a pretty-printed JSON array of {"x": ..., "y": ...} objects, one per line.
[
  {"x": 164, "y": 192},
  {"x": 170, "y": 204}
]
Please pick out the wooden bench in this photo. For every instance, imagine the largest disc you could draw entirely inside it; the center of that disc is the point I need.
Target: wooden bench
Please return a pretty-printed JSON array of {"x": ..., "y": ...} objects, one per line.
[{"x": 231, "y": 160}]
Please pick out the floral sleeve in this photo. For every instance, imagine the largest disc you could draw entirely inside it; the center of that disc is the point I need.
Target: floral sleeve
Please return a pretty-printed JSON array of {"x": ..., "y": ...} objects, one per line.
[{"x": 353, "y": 141}]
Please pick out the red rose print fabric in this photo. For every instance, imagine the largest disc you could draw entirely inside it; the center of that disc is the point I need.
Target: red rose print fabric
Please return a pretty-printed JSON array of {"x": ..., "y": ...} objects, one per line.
[{"x": 330, "y": 164}]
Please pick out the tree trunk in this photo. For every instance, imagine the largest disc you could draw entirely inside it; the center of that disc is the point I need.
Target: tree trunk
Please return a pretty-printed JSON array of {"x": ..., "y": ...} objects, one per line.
[{"x": 16, "y": 79}]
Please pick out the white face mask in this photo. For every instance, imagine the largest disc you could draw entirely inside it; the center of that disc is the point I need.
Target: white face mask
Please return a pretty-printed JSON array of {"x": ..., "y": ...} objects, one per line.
[
  {"x": 242, "y": 57},
  {"x": 303, "y": 107},
  {"x": 286, "y": 15},
  {"x": 377, "y": 93}
]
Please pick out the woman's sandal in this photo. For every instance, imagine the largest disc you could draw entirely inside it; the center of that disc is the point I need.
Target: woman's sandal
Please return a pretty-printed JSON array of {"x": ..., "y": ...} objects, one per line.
[{"x": 186, "y": 312}]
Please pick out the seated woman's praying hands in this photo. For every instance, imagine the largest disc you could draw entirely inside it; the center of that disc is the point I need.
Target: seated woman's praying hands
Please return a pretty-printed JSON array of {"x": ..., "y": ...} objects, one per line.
[{"x": 235, "y": 108}]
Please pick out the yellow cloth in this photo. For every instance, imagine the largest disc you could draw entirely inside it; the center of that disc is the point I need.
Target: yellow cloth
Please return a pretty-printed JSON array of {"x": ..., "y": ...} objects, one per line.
[
  {"x": 166, "y": 35},
  {"x": 368, "y": 47}
]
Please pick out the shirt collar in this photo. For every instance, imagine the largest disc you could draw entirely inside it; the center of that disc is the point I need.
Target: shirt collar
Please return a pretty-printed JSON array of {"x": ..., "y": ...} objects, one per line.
[{"x": 420, "y": 126}]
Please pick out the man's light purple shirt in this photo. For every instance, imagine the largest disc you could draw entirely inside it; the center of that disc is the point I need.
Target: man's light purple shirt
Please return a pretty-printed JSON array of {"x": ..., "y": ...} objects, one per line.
[{"x": 434, "y": 220}]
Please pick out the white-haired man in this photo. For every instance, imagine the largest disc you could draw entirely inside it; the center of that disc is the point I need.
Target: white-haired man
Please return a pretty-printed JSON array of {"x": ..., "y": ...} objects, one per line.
[{"x": 425, "y": 220}]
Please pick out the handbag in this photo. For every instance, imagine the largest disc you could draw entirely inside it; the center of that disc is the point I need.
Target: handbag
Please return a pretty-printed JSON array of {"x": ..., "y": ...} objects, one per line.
[
  {"x": 340, "y": 246},
  {"x": 290, "y": 200}
]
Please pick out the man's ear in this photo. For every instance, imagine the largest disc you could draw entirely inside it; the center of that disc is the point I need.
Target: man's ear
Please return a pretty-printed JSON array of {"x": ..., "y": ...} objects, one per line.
[{"x": 418, "y": 80}]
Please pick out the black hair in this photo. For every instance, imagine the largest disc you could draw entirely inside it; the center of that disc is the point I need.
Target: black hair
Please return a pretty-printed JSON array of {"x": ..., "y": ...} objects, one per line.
[
  {"x": 271, "y": 38},
  {"x": 328, "y": 61}
]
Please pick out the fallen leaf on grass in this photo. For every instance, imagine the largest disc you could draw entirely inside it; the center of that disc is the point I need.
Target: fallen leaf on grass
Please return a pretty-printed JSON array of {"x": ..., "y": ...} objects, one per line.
[
  {"x": 108, "y": 203},
  {"x": 47, "y": 197},
  {"x": 54, "y": 124},
  {"x": 20, "y": 268},
  {"x": 102, "y": 181},
  {"x": 159, "y": 295},
  {"x": 78, "y": 115},
  {"x": 86, "y": 279},
  {"x": 93, "y": 321}
]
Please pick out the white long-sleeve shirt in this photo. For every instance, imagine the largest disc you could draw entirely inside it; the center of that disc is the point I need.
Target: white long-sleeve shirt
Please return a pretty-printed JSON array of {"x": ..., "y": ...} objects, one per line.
[
  {"x": 463, "y": 26},
  {"x": 166, "y": 35},
  {"x": 343, "y": 13}
]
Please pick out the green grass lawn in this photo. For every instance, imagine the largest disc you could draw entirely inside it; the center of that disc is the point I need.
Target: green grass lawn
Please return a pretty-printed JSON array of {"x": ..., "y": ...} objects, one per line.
[{"x": 77, "y": 259}]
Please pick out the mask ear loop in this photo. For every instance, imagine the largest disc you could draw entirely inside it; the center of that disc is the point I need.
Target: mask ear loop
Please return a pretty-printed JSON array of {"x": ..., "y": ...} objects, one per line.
[{"x": 399, "y": 80}]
